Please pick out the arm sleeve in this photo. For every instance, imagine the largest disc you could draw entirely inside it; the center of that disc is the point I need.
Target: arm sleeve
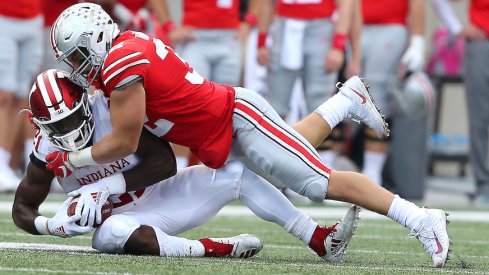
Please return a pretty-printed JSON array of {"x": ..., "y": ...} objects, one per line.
[{"x": 445, "y": 11}]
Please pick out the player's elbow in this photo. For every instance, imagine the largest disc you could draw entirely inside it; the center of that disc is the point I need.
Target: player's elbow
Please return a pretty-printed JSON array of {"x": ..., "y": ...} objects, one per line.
[{"x": 127, "y": 146}]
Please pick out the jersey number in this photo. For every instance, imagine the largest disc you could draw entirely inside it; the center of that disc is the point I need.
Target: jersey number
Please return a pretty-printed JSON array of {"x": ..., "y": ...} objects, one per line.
[
  {"x": 161, "y": 127},
  {"x": 192, "y": 75}
]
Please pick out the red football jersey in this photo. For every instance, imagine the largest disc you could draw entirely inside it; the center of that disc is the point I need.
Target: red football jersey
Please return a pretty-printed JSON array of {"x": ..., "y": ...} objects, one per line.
[
  {"x": 211, "y": 14},
  {"x": 479, "y": 14},
  {"x": 181, "y": 106},
  {"x": 53, "y": 8},
  {"x": 306, "y": 9},
  {"x": 385, "y": 11},
  {"x": 22, "y": 9},
  {"x": 133, "y": 5}
]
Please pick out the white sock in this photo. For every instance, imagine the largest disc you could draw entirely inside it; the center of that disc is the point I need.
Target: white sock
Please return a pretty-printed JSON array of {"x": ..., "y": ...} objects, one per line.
[
  {"x": 182, "y": 162},
  {"x": 335, "y": 109},
  {"x": 4, "y": 157},
  {"x": 171, "y": 246},
  {"x": 373, "y": 163},
  {"x": 302, "y": 227},
  {"x": 406, "y": 213},
  {"x": 329, "y": 157}
]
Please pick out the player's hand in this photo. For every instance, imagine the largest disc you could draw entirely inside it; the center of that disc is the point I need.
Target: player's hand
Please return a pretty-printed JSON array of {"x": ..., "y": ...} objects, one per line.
[
  {"x": 181, "y": 35},
  {"x": 413, "y": 58},
  {"x": 139, "y": 21},
  {"x": 62, "y": 225},
  {"x": 334, "y": 60},
  {"x": 59, "y": 164},
  {"x": 93, "y": 197},
  {"x": 263, "y": 56},
  {"x": 473, "y": 33}
]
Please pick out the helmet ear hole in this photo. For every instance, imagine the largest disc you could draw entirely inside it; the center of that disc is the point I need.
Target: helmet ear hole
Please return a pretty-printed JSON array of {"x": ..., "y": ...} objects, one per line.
[{"x": 100, "y": 37}]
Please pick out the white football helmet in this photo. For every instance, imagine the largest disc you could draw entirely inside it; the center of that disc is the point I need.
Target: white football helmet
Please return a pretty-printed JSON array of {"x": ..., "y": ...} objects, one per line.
[
  {"x": 416, "y": 96},
  {"x": 60, "y": 109},
  {"x": 86, "y": 29}
]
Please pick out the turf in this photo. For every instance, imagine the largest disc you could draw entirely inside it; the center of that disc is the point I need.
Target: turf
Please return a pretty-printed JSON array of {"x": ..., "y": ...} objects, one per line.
[{"x": 379, "y": 247}]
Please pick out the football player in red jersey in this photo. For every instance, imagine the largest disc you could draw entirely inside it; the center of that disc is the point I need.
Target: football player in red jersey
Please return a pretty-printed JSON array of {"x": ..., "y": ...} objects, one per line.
[
  {"x": 20, "y": 59},
  {"x": 150, "y": 86},
  {"x": 149, "y": 213}
]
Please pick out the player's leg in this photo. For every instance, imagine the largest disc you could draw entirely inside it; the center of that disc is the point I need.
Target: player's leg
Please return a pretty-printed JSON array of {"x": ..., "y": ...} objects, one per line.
[
  {"x": 227, "y": 65},
  {"x": 361, "y": 190},
  {"x": 123, "y": 233},
  {"x": 268, "y": 203},
  {"x": 281, "y": 79},
  {"x": 380, "y": 67},
  {"x": 277, "y": 152},
  {"x": 189, "y": 199},
  {"x": 9, "y": 37}
]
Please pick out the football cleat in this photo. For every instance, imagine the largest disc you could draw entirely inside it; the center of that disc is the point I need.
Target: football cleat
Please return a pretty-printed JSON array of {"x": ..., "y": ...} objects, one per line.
[
  {"x": 434, "y": 236},
  {"x": 241, "y": 246},
  {"x": 337, "y": 241},
  {"x": 363, "y": 108},
  {"x": 331, "y": 243}
]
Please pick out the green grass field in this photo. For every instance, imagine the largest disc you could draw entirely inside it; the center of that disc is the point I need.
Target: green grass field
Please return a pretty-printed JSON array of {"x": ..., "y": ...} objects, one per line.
[{"x": 379, "y": 247}]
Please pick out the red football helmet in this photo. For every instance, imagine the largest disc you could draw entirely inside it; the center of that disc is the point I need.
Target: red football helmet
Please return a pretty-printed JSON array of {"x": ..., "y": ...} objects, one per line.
[{"x": 60, "y": 109}]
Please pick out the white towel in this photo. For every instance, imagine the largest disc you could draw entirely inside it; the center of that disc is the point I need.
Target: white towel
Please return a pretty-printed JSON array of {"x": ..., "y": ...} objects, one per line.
[{"x": 292, "y": 56}]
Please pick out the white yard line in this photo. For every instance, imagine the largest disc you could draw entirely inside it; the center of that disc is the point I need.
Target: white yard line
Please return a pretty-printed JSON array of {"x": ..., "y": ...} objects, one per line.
[
  {"x": 316, "y": 212},
  {"x": 58, "y": 271}
]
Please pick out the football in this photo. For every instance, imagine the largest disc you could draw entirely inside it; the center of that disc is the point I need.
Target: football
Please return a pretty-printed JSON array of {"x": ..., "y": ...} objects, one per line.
[{"x": 106, "y": 209}]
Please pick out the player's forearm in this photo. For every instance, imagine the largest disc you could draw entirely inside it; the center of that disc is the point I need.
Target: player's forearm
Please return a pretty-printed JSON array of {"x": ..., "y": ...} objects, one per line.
[
  {"x": 346, "y": 10},
  {"x": 114, "y": 147},
  {"x": 356, "y": 31},
  {"x": 160, "y": 9},
  {"x": 108, "y": 149},
  {"x": 265, "y": 15},
  {"x": 157, "y": 162},
  {"x": 417, "y": 17},
  {"x": 23, "y": 218}
]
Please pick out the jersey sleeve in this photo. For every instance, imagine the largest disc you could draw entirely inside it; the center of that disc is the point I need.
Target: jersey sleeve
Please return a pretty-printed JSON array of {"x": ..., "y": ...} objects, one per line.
[
  {"x": 123, "y": 62},
  {"x": 42, "y": 147}
]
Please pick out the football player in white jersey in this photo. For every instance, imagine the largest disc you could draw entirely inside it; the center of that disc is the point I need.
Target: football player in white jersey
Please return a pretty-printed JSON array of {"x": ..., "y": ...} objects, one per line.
[{"x": 147, "y": 219}]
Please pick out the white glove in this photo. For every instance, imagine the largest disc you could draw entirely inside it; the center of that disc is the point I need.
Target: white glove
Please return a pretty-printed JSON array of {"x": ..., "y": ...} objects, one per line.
[
  {"x": 93, "y": 197},
  {"x": 413, "y": 58},
  {"x": 61, "y": 224}
]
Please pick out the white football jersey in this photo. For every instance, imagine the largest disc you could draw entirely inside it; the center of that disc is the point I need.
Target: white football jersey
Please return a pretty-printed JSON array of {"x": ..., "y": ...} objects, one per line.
[{"x": 90, "y": 174}]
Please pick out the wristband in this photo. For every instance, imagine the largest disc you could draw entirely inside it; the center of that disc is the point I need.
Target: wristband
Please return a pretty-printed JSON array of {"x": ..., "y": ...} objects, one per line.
[
  {"x": 339, "y": 41},
  {"x": 417, "y": 42},
  {"x": 116, "y": 183},
  {"x": 168, "y": 26},
  {"x": 251, "y": 19},
  {"x": 262, "y": 39},
  {"x": 82, "y": 158},
  {"x": 41, "y": 224}
]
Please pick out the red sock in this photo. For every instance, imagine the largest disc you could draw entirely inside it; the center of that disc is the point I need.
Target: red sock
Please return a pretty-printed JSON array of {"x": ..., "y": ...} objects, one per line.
[
  {"x": 318, "y": 237},
  {"x": 216, "y": 249}
]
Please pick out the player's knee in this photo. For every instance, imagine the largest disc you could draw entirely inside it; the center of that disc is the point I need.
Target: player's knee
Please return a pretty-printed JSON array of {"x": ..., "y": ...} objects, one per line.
[
  {"x": 112, "y": 235},
  {"x": 235, "y": 168},
  {"x": 142, "y": 241},
  {"x": 315, "y": 192}
]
